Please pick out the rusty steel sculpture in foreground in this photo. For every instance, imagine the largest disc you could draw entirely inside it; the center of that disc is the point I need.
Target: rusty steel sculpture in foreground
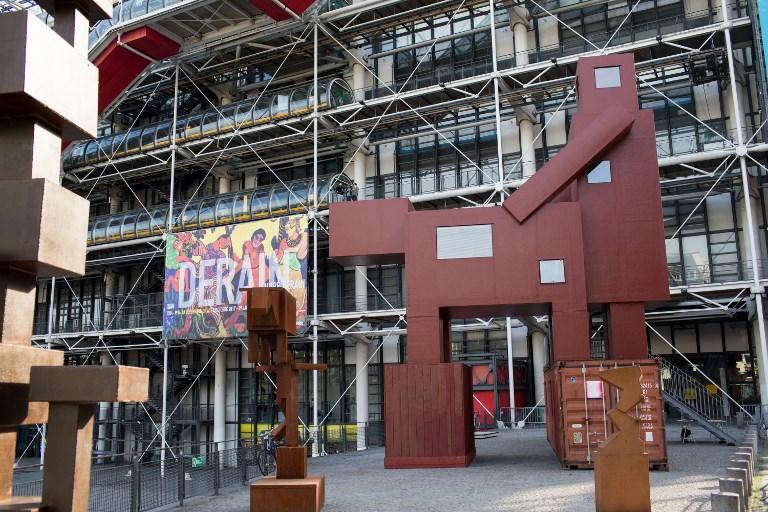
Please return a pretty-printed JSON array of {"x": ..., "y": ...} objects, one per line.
[
  {"x": 48, "y": 93},
  {"x": 621, "y": 465},
  {"x": 271, "y": 319}
]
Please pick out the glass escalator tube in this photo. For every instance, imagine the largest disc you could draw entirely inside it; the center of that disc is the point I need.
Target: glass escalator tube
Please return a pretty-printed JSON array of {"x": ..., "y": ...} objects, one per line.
[
  {"x": 260, "y": 203},
  {"x": 241, "y": 206},
  {"x": 205, "y": 214},
  {"x": 241, "y": 211},
  {"x": 241, "y": 115},
  {"x": 224, "y": 210}
]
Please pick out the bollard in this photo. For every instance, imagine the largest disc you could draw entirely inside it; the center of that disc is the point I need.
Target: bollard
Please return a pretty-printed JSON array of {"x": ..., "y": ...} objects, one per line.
[
  {"x": 746, "y": 455},
  {"x": 741, "y": 474},
  {"x": 725, "y": 502},
  {"x": 741, "y": 455},
  {"x": 735, "y": 486},
  {"x": 739, "y": 462}
]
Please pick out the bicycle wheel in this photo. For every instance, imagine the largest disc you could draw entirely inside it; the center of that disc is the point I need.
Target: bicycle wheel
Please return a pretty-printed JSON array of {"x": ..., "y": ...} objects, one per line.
[{"x": 267, "y": 463}]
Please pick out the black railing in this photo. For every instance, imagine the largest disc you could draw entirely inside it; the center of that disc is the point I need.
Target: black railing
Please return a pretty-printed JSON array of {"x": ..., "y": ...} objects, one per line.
[
  {"x": 148, "y": 483},
  {"x": 688, "y": 275}
]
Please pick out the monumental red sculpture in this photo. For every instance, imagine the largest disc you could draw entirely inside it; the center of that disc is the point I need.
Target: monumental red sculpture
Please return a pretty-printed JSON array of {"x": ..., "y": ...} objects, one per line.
[
  {"x": 271, "y": 319},
  {"x": 584, "y": 234}
]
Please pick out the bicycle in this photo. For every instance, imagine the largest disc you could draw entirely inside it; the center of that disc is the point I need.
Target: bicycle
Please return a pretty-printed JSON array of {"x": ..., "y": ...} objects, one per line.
[{"x": 266, "y": 456}]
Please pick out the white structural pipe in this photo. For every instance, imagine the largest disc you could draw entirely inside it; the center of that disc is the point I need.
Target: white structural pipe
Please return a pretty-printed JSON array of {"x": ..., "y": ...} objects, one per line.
[
  {"x": 520, "y": 36},
  {"x": 511, "y": 370},
  {"x": 757, "y": 290},
  {"x": 315, "y": 320},
  {"x": 104, "y": 408},
  {"x": 527, "y": 138},
  {"x": 220, "y": 399},
  {"x": 51, "y": 302},
  {"x": 361, "y": 392},
  {"x": 169, "y": 227},
  {"x": 539, "y": 356},
  {"x": 497, "y": 100}
]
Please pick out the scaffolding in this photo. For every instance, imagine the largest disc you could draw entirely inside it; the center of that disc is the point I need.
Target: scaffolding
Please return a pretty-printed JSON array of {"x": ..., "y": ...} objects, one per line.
[{"x": 229, "y": 51}]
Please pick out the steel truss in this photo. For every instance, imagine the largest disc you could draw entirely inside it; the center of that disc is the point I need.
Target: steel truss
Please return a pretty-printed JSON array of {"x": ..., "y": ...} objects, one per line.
[{"x": 505, "y": 89}]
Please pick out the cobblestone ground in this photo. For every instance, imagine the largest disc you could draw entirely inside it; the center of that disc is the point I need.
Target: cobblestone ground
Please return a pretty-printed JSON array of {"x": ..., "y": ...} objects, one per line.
[{"x": 515, "y": 471}]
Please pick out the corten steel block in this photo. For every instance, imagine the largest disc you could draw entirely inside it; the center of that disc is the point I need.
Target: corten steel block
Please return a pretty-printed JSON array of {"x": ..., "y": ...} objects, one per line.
[
  {"x": 16, "y": 362},
  {"x": 7, "y": 460},
  {"x": 46, "y": 77},
  {"x": 30, "y": 150},
  {"x": 302, "y": 495},
  {"x": 428, "y": 416},
  {"x": 45, "y": 226},
  {"x": 89, "y": 384},
  {"x": 622, "y": 481},
  {"x": 21, "y": 504},
  {"x": 15, "y": 365},
  {"x": 271, "y": 310},
  {"x": 291, "y": 462},
  {"x": 66, "y": 482},
  {"x": 17, "y": 306}
]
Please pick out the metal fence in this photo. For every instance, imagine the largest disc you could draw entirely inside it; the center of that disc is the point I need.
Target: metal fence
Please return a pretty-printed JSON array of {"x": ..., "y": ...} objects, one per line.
[{"x": 152, "y": 484}]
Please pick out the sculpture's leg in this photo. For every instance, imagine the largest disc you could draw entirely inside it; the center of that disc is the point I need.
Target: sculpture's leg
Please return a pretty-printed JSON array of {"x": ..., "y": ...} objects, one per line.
[
  {"x": 66, "y": 478},
  {"x": 7, "y": 455},
  {"x": 570, "y": 335},
  {"x": 626, "y": 331},
  {"x": 426, "y": 339}
]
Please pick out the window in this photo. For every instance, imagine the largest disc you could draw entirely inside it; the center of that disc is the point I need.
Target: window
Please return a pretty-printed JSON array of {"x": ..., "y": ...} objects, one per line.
[
  {"x": 600, "y": 173},
  {"x": 551, "y": 271},
  {"x": 456, "y": 242},
  {"x": 606, "y": 78}
]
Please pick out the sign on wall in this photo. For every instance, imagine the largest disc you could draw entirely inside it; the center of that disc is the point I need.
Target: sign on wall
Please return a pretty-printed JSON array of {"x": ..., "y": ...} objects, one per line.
[{"x": 206, "y": 269}]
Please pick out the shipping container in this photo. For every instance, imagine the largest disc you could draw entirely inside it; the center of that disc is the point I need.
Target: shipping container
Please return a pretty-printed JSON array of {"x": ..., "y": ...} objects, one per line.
[{"x": 578, "y": 402}]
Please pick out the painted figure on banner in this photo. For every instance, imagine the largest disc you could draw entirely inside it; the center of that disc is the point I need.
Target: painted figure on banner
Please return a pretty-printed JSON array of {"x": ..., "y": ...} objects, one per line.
[
  {"x": 206, "y": 269},
  {"x": 291, "y": 248}
]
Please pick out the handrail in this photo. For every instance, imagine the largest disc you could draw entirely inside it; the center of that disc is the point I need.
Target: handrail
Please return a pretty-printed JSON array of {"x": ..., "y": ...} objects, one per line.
[{"x": 696, "y": 368}]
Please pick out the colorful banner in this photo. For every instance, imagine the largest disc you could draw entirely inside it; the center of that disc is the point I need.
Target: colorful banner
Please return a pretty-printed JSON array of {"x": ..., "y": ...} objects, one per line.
[{"x": 206, "y": 269}]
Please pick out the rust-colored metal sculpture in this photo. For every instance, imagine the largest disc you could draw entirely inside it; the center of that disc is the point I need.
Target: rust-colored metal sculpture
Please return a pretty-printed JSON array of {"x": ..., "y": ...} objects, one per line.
[
  {"x": 271, "y": 319},
  {"x": 584, "y": 233},
  {"x": 621, "y": 465},
  {"x": 47, "y": 92}
]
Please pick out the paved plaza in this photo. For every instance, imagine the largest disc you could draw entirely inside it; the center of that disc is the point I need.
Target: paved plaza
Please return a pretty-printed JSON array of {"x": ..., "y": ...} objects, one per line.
[{"x": 516, "y": 471}]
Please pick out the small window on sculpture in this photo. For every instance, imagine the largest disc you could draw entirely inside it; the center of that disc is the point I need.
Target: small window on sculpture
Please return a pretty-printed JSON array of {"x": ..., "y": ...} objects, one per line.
[
  {"x": 606, "y": 78},
  {"x": 600, "y": 173},
  {"x": 551, "y": 271}
]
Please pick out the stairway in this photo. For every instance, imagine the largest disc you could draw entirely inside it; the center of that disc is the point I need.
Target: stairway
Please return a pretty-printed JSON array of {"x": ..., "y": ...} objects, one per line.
[{"x": 694, "y": 400}]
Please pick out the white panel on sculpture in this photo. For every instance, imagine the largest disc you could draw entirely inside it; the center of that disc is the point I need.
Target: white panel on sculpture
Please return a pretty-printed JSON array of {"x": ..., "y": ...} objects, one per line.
[
  {"x": 458, "y": 242},
  {"x": 607, "y": 78},
  {"x": 600, "y": 173},
  {"x": 551, "y": 271}
]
